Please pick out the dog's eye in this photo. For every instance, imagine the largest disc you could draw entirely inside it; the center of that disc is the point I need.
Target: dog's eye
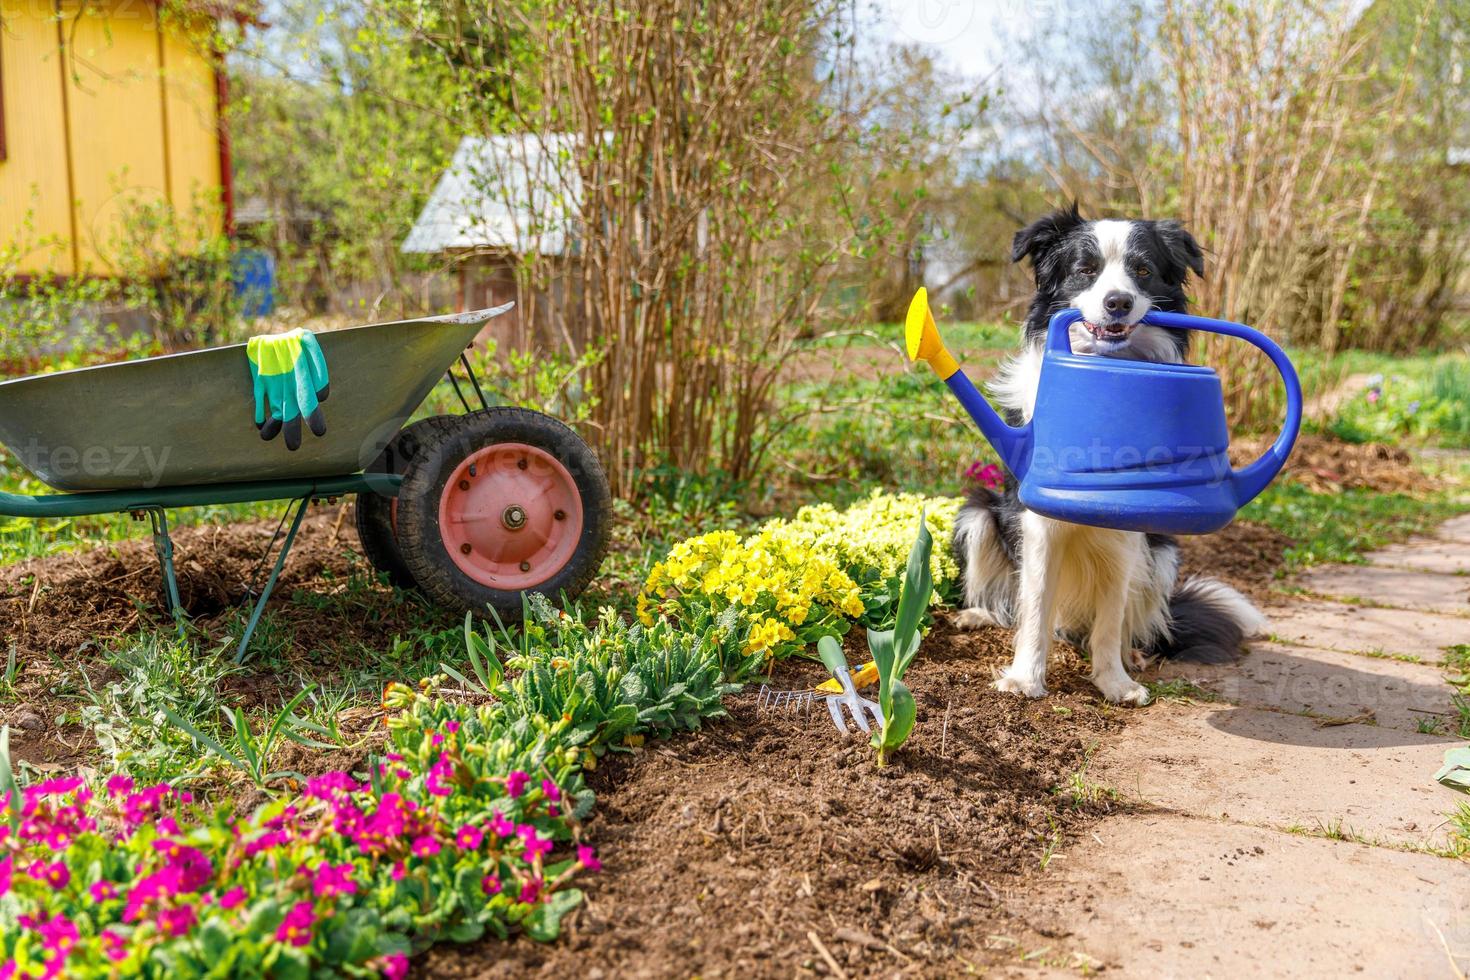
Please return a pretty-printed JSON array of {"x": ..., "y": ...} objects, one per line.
[
  {"x": 1087, "y": 269},
  {"x": 1142, "y": 271}
]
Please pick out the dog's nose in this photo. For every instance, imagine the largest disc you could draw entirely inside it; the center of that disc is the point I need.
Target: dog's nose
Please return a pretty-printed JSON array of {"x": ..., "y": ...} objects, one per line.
[{"x": 1118, "y": 303}]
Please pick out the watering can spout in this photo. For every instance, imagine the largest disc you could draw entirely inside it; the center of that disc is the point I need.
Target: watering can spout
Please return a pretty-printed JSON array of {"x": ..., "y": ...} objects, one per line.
[{"x": 924, "y": 344}]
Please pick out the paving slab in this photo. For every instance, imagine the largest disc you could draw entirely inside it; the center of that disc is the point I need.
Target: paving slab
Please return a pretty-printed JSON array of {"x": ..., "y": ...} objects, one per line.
[
  {"x": 1399, "y": 587},
  {"x": 1457, "y": 529},
  {"x": 1445, "y": 557},
  {"x": 1367, "y": 629},
  {"x": 1174, "y": 896},
  {"x": 1326, "y": 684},
  {"x": 1278, "y": 770}
]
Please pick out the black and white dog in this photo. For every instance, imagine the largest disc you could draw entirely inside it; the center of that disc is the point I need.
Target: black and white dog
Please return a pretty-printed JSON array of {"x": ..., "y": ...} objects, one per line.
[{"x": 1113, "y": 591}]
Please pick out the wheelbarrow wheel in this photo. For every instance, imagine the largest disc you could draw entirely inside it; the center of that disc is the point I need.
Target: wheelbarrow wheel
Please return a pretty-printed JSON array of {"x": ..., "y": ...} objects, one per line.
[
  {"x": 377, "y": 513},
  {"x": 507, "y": 502}
]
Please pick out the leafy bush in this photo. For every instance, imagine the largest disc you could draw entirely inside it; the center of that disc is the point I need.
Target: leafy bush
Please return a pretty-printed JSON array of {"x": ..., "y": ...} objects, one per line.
[
  {"x": 469, "y": 825},
  {"x": 802, "y": 579}
]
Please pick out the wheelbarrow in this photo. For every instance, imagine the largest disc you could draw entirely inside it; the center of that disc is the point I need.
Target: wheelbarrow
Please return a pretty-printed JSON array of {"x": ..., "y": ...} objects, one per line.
[{"x": 472, "y": 510}]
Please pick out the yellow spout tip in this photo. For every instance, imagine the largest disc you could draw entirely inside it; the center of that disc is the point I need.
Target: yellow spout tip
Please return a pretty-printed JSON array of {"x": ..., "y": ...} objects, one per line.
[
  {"x": 919, "y": 325},
  {"x": 922, "y": 337}
]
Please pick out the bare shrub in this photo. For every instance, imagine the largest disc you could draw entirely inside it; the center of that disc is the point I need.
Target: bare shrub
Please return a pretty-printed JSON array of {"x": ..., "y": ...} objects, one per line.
[{"x": 714, "y": 169}]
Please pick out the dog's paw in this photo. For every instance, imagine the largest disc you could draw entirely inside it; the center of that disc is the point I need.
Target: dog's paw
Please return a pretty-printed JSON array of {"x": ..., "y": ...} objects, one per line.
[
  {"x": 1027, "y": 687},
  {"x": 973, "y": 619},
  {"x": 1122, "y": 690}
]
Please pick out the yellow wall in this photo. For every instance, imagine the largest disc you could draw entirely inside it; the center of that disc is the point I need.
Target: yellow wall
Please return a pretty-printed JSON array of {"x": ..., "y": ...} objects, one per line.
[{"x": 104, "y": 113}]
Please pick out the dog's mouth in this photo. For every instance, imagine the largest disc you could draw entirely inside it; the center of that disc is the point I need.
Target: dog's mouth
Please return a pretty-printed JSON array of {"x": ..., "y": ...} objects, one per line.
[{"x": 1112, "y": 333}]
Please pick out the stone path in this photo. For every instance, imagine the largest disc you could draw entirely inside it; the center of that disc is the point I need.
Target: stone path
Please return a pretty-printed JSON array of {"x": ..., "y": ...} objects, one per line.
[{"x": 1283, "y": 818}]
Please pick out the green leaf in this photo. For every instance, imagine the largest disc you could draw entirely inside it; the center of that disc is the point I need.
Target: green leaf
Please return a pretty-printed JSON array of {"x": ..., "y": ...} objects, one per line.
[
  {"x": 900, "y": 723},
  {"x": 1456, "y": 771},
  {"x": 544, "y": 924},
  {"x": 880, "y": 645},
  {"x": 8, "y": 785},
  {"x": 203, "y": 739},
  {"x": 913, "y": 600}
]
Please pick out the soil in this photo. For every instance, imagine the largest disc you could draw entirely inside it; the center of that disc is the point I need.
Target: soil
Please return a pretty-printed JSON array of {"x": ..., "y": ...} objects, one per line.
[
  {"x": 728, "y": 850},
  {"x": 1326, "y": 465}
]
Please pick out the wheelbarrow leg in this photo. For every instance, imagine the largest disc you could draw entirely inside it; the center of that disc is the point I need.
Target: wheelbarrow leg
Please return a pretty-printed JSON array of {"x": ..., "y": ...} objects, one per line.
[
  {"x": 163, "y": 546},
  {"x": 270, "y": 583}
]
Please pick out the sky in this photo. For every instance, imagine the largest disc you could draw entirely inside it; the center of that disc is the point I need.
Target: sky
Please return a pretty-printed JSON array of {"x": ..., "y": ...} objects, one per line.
[{"x": 968, "y": 35}]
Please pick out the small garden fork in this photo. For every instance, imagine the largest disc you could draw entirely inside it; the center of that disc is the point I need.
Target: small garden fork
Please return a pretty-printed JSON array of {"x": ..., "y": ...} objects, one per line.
[{"x": 861, "y": 709}]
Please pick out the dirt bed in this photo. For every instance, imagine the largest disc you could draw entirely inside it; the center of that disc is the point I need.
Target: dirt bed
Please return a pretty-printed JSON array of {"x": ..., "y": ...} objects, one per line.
[{"x": 724, "y": 850}]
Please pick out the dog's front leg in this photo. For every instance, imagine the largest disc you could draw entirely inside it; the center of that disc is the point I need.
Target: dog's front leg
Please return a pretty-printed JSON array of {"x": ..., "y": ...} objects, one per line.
[
  {"x": 1106, "y": 638},
  {"x": 1036, "y": 607}
]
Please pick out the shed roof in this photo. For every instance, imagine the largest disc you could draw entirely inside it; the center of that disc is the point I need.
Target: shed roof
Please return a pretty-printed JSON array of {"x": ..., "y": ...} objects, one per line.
[{"x": 518, "y": 192}]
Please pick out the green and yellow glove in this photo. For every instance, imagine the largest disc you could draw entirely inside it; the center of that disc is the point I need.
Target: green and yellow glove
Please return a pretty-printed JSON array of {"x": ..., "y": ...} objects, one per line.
[{"x": 290, "y": 378}]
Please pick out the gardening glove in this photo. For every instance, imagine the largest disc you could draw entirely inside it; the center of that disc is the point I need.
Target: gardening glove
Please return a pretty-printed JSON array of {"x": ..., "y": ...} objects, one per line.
[{"x": 290, "y": 378}]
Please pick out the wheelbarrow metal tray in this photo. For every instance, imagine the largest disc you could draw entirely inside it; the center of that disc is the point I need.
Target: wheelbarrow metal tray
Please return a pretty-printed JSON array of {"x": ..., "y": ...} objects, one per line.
[{"x": 187, "y": 419}]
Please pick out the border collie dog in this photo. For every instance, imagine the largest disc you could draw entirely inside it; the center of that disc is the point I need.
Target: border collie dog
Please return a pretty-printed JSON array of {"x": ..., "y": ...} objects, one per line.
[{"x": 1114, "y": 592}]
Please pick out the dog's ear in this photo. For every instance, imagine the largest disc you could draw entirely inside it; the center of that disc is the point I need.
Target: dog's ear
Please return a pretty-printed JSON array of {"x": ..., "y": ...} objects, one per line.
[
  {"x": 1182, "y": 247},
  {"x": 1037, "y": 238}
]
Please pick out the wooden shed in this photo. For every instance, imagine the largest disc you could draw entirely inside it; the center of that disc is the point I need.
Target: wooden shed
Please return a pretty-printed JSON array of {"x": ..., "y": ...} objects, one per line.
[{"x": 104, "y": 103}]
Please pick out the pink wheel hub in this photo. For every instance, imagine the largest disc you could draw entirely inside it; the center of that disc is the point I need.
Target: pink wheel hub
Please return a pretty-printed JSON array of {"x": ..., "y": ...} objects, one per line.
[{"x": 511, "y": 516}]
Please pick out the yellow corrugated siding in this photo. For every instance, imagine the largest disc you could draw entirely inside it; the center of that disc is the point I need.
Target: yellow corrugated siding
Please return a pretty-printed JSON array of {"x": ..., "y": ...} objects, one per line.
[
  {"x": 116, "y": 119},
  {"x": 193, "y": 126},
  {"x": 140, "y": 116},
  {"x": 33, "y": 189}
]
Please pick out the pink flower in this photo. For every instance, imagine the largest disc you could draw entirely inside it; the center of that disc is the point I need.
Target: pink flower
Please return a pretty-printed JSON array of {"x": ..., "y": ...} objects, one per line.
[
  {"x": 531, "y": 890},
  {"x": 58, "y": 935},
  {"x": 490, "y": 884},
  {"x": 119, "y": 786},
  {"x": 55, "y": 873},
  {"x": 395, "y": 966},
  {"x": 331, "y": 880},
  {"x": 452, "y": 727},
  {"x": 399, "y": 871},
  {"x": 515, "y": 783},
  {"x": 295, "y": 928},
  {"x": 232, "y": 898},
  {"x": 536, "y": 847},
  {"x": 101, "y": 891},
  {"x": 587, "y": 858},
  {"x": 469, "y": 838},
  {"x": 989, "y": 475},
  {"x": 425, "y": 846},
  {"x": 7, "y": 871},
  {"x": 550, "y": 789},
  {"x": 114, "y": 947},
  {"x": 176, "y": 921},
  {"x": 500, "y": 825}
]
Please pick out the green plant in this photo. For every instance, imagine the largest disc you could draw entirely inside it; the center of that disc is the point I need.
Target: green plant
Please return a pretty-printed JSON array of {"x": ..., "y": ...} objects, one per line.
[
  {"x": 249, "y": 753},
  {"x": 893, "y": 650},
  {"x": 159, "y": 674},
  {"x": 1462, "y": 708}
]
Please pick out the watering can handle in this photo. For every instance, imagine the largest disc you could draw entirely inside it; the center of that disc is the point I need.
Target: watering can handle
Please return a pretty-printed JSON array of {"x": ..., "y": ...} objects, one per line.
[{"x": 1251, "y": 480}]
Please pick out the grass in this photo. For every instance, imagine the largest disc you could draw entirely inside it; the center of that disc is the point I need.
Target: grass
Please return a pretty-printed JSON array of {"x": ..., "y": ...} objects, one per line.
[
  {"x": 1180, "y": 691},
  {"x": 1340, "y": 527}
]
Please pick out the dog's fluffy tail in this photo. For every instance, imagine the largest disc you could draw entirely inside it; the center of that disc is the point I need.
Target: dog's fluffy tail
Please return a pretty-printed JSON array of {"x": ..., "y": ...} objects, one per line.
[{"x": 1208, "y": 621}]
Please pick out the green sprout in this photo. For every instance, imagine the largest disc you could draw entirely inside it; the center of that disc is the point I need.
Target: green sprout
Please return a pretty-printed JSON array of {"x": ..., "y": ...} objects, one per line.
[{"x": 894, "y": 650}]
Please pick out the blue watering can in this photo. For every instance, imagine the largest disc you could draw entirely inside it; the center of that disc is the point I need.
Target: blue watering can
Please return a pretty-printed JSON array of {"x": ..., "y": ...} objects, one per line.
[{"x": 1131, "y": 445}]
